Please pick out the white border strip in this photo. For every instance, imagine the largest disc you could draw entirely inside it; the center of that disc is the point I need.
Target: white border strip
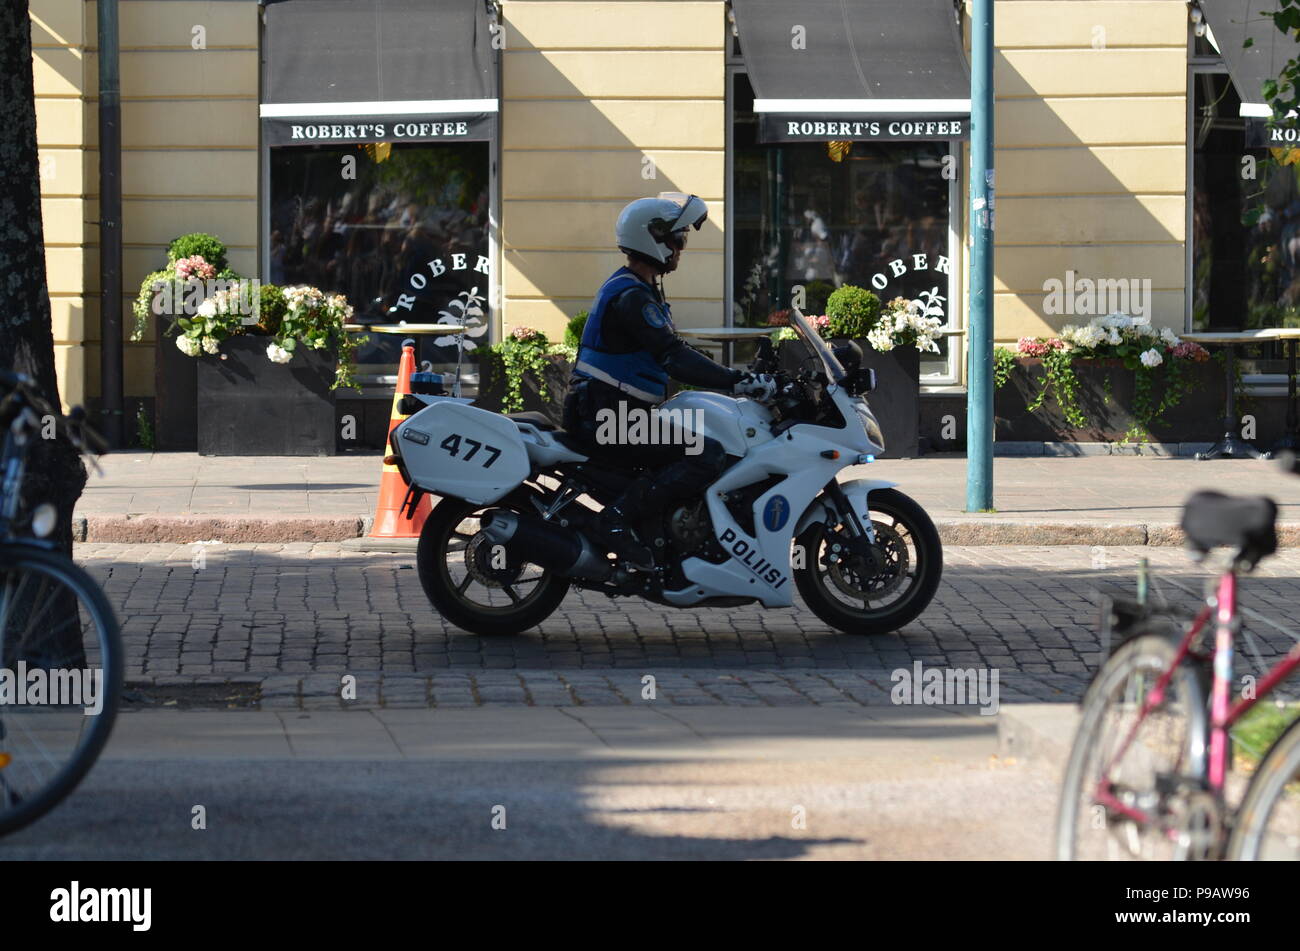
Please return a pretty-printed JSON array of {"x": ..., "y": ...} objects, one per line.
[
  {"x": 1255, "y": 110},
  {"x": 868, "y": 106},
  {"x": 409, "y": 107}
]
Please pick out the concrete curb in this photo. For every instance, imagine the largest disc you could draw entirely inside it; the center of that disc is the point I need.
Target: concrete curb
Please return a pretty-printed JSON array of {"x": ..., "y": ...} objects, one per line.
[
  {"x": 974, "y": 530},
  {"x": 1038, "y": 732}
]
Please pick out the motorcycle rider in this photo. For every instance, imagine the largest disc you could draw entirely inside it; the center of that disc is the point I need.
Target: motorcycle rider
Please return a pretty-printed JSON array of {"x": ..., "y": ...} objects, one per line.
[{"x": 628, "y": 353}]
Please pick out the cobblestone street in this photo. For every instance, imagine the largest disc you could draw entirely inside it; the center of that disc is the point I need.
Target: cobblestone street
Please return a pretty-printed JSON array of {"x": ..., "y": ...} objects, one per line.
[{"x": 286, "y": 621}]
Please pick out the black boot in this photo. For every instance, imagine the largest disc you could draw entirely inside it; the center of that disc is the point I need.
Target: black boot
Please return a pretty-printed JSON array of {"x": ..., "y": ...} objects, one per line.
[
  {"x": 614, "y": 525},
  {"x": 614, "y": 531}
]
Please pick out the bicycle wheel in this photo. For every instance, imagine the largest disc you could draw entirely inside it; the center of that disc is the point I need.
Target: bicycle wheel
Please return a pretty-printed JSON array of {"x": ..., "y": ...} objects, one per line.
[
  {"x": 1121, "y": 795},
  {"x": 1268, "y": 823},
  {"x": 61, "y": 660}
]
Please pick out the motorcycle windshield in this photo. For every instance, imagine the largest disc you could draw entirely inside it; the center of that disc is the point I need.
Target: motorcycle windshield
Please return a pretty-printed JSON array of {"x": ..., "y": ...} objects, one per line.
[{"x": 834, "y": 369}]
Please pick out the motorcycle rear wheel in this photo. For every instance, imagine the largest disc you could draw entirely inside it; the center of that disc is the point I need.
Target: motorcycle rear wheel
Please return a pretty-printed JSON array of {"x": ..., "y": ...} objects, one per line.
[{"x": 462, "y": 583}]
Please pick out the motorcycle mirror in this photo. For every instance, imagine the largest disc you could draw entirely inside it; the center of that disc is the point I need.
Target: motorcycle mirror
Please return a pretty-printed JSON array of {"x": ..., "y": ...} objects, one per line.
[{"x": 849, "y": 354}]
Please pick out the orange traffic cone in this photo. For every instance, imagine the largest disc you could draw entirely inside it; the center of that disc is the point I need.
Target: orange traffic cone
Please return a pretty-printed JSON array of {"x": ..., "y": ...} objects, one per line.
[{"x": 391, "y": 520}]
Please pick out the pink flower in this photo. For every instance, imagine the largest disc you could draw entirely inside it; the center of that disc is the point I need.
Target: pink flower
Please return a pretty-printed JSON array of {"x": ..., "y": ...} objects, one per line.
[
  {"x": 194, "y": 266},
  {"x": 523, "y": 333},
  {"x": 1187, "y": 350},
  {"x": 1038, "y": 346}
]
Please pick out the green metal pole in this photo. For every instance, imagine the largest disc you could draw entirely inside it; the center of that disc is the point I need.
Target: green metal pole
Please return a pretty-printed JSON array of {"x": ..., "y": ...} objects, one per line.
[{"x": 979, "y": 376}]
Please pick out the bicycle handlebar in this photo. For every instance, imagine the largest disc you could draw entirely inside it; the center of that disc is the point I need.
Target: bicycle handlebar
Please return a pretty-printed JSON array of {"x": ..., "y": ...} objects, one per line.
[{"x": 23, "y": 394}]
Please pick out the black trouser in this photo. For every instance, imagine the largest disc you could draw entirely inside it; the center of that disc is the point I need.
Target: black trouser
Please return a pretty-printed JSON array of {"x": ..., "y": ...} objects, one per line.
[{"x": 685, "y": 463}]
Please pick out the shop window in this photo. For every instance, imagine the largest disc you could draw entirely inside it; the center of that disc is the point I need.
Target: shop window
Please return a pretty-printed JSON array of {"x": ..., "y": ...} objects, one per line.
[
  {"x": 819, "y": 215},
  {"x": 1245, "y": 219},
  {"x": 400, "y": 229}
]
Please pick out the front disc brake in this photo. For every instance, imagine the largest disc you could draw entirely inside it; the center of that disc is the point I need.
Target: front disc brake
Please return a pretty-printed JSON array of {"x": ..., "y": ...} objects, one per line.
[{"x": 871, "y": 575}]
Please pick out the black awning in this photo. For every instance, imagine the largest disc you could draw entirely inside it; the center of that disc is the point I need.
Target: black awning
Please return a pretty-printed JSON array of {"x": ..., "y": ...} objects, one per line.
[
  {"x": 855, "y": 69},
  {"x": 1233, "y": 23},
  {"x": 377, "y": 70}
]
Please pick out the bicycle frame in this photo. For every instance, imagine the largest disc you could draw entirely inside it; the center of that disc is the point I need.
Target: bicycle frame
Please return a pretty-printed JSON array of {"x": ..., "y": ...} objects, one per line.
[{"x": 1223, "y": 712}]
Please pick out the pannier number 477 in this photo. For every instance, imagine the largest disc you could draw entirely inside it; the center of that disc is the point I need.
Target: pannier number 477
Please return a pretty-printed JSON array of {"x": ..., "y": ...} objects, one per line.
[{"x": 453, "y": 445}]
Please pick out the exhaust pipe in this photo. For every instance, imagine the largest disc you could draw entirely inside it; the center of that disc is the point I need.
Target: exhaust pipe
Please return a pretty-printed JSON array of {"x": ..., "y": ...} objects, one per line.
[{"x": 562, "y": 550}]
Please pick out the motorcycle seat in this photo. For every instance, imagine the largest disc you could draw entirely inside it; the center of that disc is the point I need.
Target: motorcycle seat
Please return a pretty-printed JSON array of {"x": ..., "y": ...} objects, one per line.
[{"x": 540, "y": 420}]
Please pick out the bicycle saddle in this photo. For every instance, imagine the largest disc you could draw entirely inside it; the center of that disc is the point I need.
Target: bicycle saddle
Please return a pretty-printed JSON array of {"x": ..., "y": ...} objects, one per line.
[{"x": 1247, "y": 523}]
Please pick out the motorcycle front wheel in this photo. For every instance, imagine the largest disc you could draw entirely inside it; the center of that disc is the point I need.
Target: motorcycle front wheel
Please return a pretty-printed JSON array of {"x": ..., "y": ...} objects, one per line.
[
  {"x": 469, "y": 580},
  {"x": 879, "y": 590}
]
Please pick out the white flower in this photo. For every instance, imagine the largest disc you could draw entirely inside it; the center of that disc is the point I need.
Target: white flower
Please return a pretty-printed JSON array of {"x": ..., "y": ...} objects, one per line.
[
  {"x": 1168, "y": 337},
  {"x": 1152, "y": 358},
  {"x": 211, "y": 345},
  {"x": 208, "y": 308},
  {"x": 277, "y": 354},
  {"x": 187, "y": 345}
]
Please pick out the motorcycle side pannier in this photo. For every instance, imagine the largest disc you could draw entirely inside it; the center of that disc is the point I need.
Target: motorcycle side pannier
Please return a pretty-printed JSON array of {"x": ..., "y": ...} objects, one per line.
[{"x": 459, "y": 450}]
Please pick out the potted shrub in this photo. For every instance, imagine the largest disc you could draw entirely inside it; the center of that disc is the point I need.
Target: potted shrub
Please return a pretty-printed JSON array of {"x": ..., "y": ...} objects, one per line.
[
  {"x": 268, "y": 368},
  {"x": 196, "y": 267},
  {"x": 525, "y": 371},
  {"x": 1117, "y": 378},
  {"x": 891, "y": 338}
]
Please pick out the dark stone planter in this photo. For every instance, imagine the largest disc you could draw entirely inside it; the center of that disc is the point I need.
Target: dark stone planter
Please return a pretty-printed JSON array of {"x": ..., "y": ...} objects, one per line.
[
  {"x": 542, "y": 396},
  {"x": 896, "y": 398},
  {"x": 249, "y": 406},
  {"x": 176, "y": 392},
  {"x": 1106, "y": 397}
]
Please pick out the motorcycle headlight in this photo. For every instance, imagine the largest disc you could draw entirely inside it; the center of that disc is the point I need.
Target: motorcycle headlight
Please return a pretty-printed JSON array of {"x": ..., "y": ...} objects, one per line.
[{"x": 869, "y": 422}]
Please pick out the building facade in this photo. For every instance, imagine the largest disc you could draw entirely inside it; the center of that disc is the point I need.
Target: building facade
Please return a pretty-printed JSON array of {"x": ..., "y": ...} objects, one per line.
[{"x": 502, "y": 139}]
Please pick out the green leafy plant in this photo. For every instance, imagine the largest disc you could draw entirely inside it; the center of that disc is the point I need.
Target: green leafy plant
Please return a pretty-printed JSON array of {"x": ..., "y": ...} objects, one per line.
[
  {"x": 272, "y": 308},
  {"x": 315, "y": 320},
  {"x": 206, "y": 246},
  {"x": 573, "y": 331},
  {"x": 852, "y": 311},
  {"x": 524, "y": 350},
  {"x": 192, "y": 259},
  {"x": 1154, "y": 356},
  {"x": 144, "y": 435},
  {"x": 1004, "y": 361}
]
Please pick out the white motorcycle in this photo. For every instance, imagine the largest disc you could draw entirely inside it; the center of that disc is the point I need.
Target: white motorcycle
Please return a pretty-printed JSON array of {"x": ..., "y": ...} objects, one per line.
[{"x": 509, "y": 534}]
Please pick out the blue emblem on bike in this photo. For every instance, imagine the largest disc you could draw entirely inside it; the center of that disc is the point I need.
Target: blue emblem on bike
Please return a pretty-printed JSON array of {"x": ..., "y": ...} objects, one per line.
[{"x": 776, "y": 513}]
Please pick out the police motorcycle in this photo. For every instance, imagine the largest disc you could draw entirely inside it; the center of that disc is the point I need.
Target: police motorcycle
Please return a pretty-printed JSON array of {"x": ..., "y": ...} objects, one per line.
[{"x": 510, "y": 533}]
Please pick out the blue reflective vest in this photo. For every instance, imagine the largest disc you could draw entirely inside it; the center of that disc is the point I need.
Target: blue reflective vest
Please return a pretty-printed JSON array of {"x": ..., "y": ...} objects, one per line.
[{"x": 637, "y": 374}]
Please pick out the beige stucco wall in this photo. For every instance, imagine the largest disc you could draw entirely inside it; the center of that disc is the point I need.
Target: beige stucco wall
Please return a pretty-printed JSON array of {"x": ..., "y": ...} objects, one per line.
[
  {"x": 1090, "y": 152},
  {"x": 189, "y": 156},
  {"x": 591, "y": 90}
]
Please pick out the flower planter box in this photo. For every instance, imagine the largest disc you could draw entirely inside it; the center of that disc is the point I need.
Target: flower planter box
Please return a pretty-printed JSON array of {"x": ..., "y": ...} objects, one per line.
[
  {"x": 1106, "y": 396},
  {"x": 249, "y": 406},
  {"x": 542, "y": 396},
  {"x": 896, "y": 398},
  {"x": 176, "y": 391}
]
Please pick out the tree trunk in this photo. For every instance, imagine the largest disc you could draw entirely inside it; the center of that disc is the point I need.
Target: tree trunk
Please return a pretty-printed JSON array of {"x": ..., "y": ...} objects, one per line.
[{"x": 55, "y": 473}]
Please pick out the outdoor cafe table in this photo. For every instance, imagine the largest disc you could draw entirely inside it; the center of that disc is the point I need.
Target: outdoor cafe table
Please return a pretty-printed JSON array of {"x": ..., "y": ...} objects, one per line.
[
  {"x": 405, "y": 329},
  {"x": 726, "y": 336},
  {"x": 1230, "y": 444},
  {"x": 1291, "y": 438}
]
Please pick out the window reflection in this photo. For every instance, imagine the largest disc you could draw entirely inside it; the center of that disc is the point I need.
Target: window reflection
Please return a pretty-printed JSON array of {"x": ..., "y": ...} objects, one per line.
[
  {"x": 368, "y": 220},
  {"x": 823, "y": 215}
]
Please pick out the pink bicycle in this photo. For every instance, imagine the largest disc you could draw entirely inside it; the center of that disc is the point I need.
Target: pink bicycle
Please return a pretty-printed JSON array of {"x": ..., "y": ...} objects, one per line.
[{"x": 1149, "y": 769}]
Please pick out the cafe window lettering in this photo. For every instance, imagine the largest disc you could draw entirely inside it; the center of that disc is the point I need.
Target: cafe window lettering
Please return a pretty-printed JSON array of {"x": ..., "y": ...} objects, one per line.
[
  {"x": 821, "y": 215},
  {"x": 401, "y": 229}
]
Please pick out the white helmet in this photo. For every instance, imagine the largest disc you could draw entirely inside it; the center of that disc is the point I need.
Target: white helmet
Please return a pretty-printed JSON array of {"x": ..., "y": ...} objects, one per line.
[{"x": 646, "y": 224}]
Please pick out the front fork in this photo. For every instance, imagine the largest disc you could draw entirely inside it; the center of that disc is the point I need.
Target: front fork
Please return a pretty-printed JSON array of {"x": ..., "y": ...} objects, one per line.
[{"x": 849, "y": 518}]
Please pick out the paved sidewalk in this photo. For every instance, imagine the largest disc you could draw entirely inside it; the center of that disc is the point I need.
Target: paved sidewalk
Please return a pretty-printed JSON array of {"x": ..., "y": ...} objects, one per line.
[{"x": 1093, "y": 500}]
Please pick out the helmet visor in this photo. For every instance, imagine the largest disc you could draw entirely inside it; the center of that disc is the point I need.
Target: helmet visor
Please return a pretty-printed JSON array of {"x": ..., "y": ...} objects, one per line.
[{"x": 692, "y": 213}]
